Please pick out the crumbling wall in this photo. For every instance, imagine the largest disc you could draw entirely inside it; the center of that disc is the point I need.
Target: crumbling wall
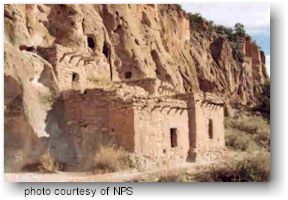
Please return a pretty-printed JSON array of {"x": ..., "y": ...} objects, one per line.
[
  {"x": 76, "y": 69},
  {"x": 209, "y": 121},
  {"x": 159, "y": 131},
  {"x": 154, "y": 122},
  {"x": 142, "y": 127},
  {"x": 76, "y": 123}
]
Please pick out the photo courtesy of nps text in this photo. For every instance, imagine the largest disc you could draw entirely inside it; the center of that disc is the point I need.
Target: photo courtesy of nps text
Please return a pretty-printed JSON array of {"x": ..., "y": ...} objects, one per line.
[{"x": 78, "y": 191}]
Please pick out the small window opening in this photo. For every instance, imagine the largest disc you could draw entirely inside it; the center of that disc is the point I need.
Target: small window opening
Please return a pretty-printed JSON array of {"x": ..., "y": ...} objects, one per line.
[
  {"x": 128, "y": 75},
  {"x": 106, "y": 50},
  {"x": 75, "y": 77},
  {"x": 173, "y": 137},
  {"x": 210, "y": 128},
  {"x": 91, "y": 43},
  {"x": 26, "y": 48}
]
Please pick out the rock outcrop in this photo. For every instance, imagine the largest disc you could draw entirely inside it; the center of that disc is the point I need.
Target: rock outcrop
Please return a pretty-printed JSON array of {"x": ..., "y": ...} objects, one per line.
[{"x": 49, "y": 49}]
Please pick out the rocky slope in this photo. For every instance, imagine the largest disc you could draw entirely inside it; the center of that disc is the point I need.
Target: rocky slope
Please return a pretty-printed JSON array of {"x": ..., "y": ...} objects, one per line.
[{"x": 106, "y": 44}]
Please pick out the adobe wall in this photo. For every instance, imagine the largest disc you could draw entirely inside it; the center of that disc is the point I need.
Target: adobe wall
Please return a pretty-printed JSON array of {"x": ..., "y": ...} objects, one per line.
[
  {"x": 121, "y": 124},
  {"x": 75, "y": 123},
  {"x": 78, "y": 122},
  {"x": 89, "y": 68},
  {"x": 153, "y": 122},
  {"x": 208, "y": 109}
]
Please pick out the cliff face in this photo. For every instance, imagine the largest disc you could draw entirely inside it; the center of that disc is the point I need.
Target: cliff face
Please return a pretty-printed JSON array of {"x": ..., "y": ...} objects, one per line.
[
  {"x": 221, "y": 70},
  {"x": 52, "y": 48},
  {"x": 136, "y": 42}
]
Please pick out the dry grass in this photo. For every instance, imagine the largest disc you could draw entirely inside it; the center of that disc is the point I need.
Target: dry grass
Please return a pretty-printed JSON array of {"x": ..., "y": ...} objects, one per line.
[
  {"x": 170, "y": 177},
  {"x": 247, "y": 133},
  {"x": 48, "y": 163},
  {"x": 105, "y": 155},
  {"x": 253, "y": 168},
  {"x": 250, "y": 134},
  {"x": 250, "y": 124},
  {"x": 110, "y": 159},
  {"x": 239, "y": 140},
  {"x": 47, "y": 99},
  {"x": 165, "y": 176}
]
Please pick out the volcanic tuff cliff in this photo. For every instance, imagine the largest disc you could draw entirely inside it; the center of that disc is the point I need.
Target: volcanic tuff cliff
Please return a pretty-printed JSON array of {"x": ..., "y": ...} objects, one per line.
[{"x": 115, "y": 43}]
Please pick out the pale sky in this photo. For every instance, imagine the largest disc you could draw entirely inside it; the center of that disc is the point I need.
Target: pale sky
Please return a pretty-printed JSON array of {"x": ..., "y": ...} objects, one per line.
[{"x": 254, "y": 16}]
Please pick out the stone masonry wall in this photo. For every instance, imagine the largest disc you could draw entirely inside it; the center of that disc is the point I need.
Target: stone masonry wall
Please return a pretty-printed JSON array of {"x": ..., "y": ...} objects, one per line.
[
  {"x": 76, "y": 124},
  {"x": 209, "y": 118},
  {"x": 153, "y": 125},
  {"x": 159, "y": 131},
  {"x": 78, "y": 69}
]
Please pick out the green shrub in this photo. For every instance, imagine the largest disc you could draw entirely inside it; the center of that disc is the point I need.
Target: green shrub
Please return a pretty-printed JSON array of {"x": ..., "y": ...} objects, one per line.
[
  {"x": 237, "y": 49},
  {"x": 263, "y": 104},
  {"x": 224, "y": 31},
  {"x": 239, "y": 30},
  {"x": 177, "y": 6},
  {"x": 196, "y": 21}
]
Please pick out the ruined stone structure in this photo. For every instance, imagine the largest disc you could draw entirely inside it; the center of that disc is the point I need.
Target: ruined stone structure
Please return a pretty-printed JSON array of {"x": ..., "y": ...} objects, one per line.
[
  {"x": 159, "y": 130},
  {"x": 161, "y": 127},
  {"x": 75, "y": 69}
]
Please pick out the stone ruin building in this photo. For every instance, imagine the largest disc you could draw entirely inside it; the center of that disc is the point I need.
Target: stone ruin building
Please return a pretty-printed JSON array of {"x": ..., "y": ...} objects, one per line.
[
  {"x": 146, "y": 117},
  {"x": 161, "y": 130}
]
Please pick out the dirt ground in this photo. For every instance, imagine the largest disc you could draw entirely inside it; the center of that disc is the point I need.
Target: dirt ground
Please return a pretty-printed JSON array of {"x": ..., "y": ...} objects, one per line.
[
  {"x": 124, "y": 176},
  {"x": 131, "y": 175}
]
